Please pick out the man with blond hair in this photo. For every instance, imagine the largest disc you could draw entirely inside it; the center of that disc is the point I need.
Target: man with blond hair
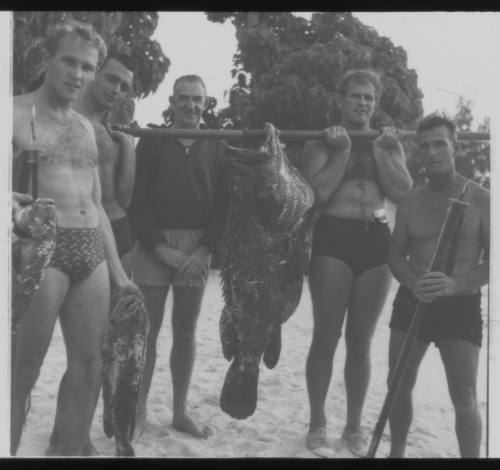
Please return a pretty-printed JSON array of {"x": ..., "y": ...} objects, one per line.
[
  {"x": 76, "y": 285},
  {"x": 348, "y": 271}
]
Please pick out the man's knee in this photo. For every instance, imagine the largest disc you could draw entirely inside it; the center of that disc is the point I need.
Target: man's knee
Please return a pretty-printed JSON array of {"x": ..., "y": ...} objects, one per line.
[
  {"x": 464, "y": 400},
  {"x": 357, "y": 348},
  {"x": 325, "y": 344},
  {"x": 86, "y": 369},
  {"x": 406, "y": 385}
]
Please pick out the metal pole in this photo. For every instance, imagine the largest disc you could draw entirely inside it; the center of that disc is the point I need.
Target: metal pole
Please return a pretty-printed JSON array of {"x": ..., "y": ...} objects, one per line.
[
  {"x": 284, "y": 135},
  {"x": 442, "y": 259}
]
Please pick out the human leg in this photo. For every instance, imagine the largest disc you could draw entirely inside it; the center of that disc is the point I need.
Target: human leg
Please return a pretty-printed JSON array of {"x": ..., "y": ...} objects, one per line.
[
  {"x": 79, "y": 251},
  {"x": 401, "y": 413},
  {"x": 88, "y": 448},
  {"x": 33, "y": 339},
  {"x": 330, "y": 283},
  {"x": 186, "y": 309},
  {"x": 83, "y": 322},
  {"x": 154, "y": 300},
  {"x": 460, "y": 359},
  {"x": 368, "y": 296}
]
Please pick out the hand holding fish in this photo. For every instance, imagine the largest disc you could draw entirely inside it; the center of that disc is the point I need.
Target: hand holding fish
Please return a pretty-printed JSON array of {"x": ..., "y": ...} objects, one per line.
[
  {"x": 129, "y": 288},
  {"x": 19, "y": 200}
]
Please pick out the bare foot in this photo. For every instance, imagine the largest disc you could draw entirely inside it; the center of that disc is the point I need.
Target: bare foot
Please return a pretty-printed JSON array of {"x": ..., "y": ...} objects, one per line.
[
  {"x": 355, "y": 440},
  {"x": 140, "y": 427},
  {"x": 316, "y": 439},
  {"x": 185, "y": 424},
  {"x": 51, "y": 451},
  {"x": 89, "y": 450}
]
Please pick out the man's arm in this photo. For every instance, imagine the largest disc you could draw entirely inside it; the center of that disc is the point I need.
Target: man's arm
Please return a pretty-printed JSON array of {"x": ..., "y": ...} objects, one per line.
[
  {"x": 125, "y": 173},
  {"x": 389, "y": 159},
  {"x": 117, "y": 273},
  {"x": 398, "y": 263},
  {"x": 479, "y": 276},
  {"x": 142, "y": 220},
  {"x": 441, "y": 285},
  {"x": 323, "y": 168}
]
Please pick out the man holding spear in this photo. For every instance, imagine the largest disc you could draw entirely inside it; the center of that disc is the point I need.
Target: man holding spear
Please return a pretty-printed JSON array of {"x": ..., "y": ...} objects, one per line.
[
  {"x": 75, "y": 287},
  {"x": 115, "y": 159},
  {"x": 453, "y": 319}
]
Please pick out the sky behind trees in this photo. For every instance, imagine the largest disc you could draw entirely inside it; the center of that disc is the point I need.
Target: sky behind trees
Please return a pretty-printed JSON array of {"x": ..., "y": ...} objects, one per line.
[{"x": 451, "y": 52}]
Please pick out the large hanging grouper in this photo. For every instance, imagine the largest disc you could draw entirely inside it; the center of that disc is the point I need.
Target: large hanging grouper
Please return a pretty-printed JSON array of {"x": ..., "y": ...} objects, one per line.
[
  {"x": 123, "y": 353},
  {"x": 264, "y": 256}
]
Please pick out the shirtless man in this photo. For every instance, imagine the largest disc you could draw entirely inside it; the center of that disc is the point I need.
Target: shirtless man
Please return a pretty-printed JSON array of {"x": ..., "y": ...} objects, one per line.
[
  {"x": 348, "y": 270},
  {"x": 116, "y": 150},
  {"x": 453, "y": 319},
  {"x": 75, "y": 287},
  {"x": 115, "y": 161},
  {"x": 177, "y": 214}
]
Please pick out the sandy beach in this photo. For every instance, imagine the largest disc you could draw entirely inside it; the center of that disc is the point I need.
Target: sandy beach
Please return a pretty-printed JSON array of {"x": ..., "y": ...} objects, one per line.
[{"x": 279, "y": 425}]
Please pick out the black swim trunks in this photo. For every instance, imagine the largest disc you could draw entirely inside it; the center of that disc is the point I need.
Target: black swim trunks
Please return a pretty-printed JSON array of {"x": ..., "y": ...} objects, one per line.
[
  {"x": 78, "y": 252},
  {"x": 456, "y": 316},
  {"x": 123, "y": 235},
  {"x": 360, "y": 244}
]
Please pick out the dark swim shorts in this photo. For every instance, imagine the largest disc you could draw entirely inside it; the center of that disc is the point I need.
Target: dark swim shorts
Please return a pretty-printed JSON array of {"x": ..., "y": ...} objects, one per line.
[
  {"x": 360, "y": 244},
  {"x": 123, "y": 235},
  {"x": 78, "y": 252},
  {"x": 453, "y": 317}
]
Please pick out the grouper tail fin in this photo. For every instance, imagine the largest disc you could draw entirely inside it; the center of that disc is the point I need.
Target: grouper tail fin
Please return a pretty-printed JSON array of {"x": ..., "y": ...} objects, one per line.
[{"x": 239, "y": 393}]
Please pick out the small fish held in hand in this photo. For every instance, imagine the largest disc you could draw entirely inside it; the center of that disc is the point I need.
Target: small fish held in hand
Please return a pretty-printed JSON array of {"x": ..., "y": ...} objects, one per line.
[{"x": 123, "y": 354}]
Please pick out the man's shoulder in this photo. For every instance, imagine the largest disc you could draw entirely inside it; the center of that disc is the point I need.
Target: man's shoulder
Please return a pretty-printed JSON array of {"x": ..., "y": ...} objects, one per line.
[
  {"x": 23, "y": 103},
  {"x": 410, "y": 198},
  {"x": 85, "y": 121},
  {"x": 314, "y": 150},
  {"x": 315, "y": 145},
  {"x": 479, "y": 196}
]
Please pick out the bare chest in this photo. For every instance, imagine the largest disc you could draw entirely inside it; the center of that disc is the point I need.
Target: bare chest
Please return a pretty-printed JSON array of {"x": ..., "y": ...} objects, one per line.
[
  {"x": 107, "y": 149},
  {"x": 361, "y": 164},
  {"x": 66, "y": 144},
  {"x": 426, "y": 221}
]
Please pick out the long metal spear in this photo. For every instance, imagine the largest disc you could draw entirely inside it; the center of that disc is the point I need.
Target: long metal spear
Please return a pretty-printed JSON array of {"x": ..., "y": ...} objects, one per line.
[
  {"x": 285, "y": 135},
  {"x": 442, "y": 260},
  {"x": 33, "y": 158}
]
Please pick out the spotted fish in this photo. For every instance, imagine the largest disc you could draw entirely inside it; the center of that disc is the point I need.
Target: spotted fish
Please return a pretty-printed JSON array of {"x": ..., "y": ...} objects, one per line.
[
  {"x": 123, "y": 353},
  {"x": 265, "y": 252},
  {"x": 33, "y": 243}
]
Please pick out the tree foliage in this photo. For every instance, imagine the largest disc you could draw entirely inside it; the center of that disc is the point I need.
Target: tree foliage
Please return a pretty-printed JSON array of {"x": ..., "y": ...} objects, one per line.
[
  {"x": 129, "y": 31},
  {"x": 295, "y": 64}
]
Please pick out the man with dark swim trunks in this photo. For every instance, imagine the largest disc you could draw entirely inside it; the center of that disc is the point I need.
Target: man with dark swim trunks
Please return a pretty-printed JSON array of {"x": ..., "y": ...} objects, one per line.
[
  {"x": 348, "y": 270},
  {"x": 453, "y": 319},
  {"x": 177, "y": 213},
  {"x": 75, "y": 287}
]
